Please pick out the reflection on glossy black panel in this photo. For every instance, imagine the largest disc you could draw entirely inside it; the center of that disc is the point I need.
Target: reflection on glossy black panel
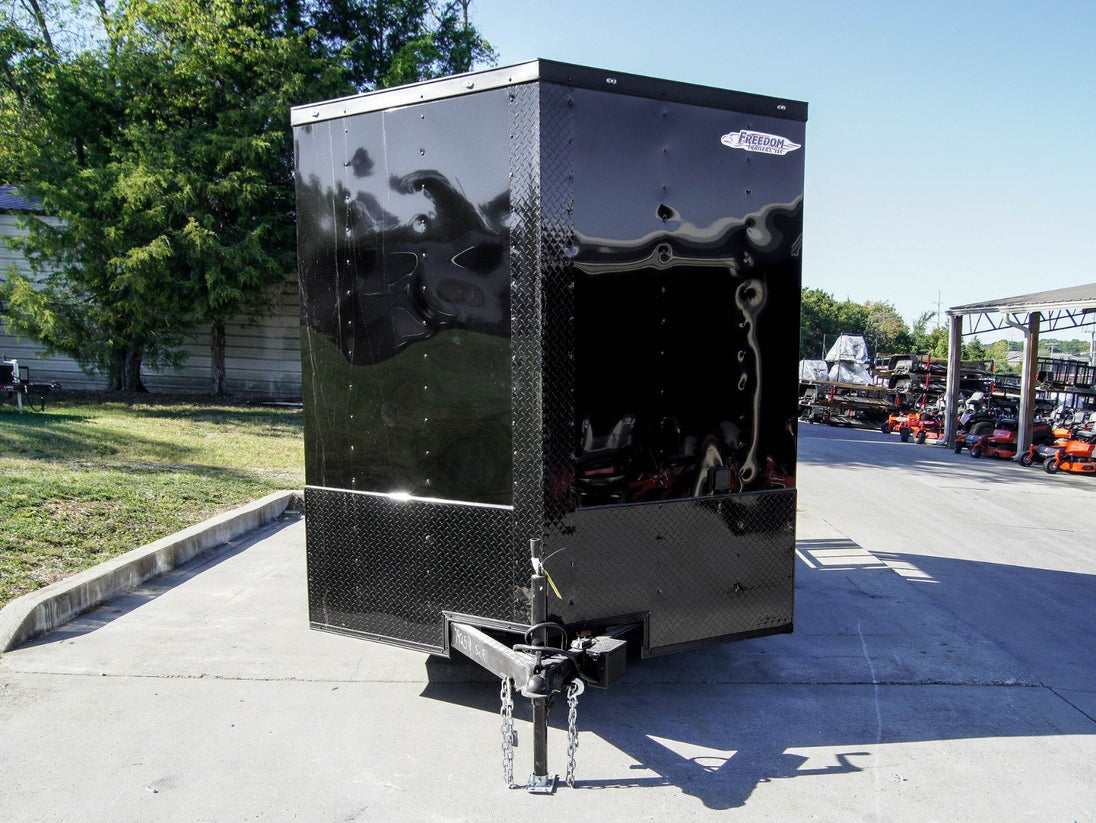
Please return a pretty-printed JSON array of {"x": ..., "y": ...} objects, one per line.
[
  {"x": 703, "y": 569},
  {"x": 686, "y": 300},
  {"x": 405, "y": 300}
]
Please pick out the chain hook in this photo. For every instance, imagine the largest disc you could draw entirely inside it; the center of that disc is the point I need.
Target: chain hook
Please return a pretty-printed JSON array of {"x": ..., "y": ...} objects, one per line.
[
  {"x": 506, "y": 713},
  {"x": 574, "y": 689}
]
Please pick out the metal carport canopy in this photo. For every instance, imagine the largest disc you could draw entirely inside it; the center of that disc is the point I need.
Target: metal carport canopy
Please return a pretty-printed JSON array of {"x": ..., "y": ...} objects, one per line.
[{"x": 1032, "y": 314}]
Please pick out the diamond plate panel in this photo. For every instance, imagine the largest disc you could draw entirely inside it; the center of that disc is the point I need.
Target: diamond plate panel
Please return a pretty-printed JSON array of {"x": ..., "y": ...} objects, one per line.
[
  {"x": 526, "y": 323},
  {"x": 705, "y": 570},
  {"x": 557, "y": 241},
  {"x": 388, "y": 568}
]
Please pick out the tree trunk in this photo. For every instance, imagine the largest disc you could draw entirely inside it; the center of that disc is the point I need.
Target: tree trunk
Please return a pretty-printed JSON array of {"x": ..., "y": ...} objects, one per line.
[
  {"x": 125, "y": 371},
  {"x": 131, "y": 372},
  {"x": 114, "y": 375},
  {"x": 35, "y": 9},
  {"x": 217, "y": 359}
]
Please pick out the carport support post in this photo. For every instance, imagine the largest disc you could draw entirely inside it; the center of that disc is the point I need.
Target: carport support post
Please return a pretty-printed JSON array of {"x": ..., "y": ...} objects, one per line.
[
  {"x": 1028, "y": 377},
  {"x": 955, "y": 354}
]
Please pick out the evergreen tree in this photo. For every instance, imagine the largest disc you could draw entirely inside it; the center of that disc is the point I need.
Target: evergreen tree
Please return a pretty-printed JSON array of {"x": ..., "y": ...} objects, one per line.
[{"x": 156, "y": 134}]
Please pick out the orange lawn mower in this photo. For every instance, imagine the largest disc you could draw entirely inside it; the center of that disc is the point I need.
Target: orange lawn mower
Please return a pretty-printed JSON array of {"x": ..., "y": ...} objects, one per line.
[
  {"x": 1075, "y": 456},
  {"x": 917, "y": 425},
  {"x": 1039, "y": 452},
  {"x": 901, "y": 422}
]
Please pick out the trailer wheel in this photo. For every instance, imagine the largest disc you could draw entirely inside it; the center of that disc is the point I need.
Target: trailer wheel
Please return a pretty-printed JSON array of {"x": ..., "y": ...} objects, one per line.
[
  {"x": 920, "y": 438},
  {"x": 904, "y": 433},
  {"x": 1026, "y": 459},
  {"x": 1051, "y": 466},
  {"x": 885, "y": 428},
  {"x": 976, "y": 451}
]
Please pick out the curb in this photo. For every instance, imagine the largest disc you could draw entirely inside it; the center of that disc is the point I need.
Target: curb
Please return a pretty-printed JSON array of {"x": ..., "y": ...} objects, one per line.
[{"x": 42, "y": 611}]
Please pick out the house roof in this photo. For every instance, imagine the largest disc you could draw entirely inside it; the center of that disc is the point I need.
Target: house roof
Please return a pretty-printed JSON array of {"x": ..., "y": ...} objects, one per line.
[{"x": 11, "y": 200}]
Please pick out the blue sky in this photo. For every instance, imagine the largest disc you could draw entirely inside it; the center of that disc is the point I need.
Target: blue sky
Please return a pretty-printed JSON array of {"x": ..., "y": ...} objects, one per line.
[{"x": 949, "y": 148}]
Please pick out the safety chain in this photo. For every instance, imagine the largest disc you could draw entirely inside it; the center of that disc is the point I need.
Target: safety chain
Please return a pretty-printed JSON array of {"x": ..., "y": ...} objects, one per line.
[
  {"x": 507, "y": 715},
  {"x": 574, "y": 689}
]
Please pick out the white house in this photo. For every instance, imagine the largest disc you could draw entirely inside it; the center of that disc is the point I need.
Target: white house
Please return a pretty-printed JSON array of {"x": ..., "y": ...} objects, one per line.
[{"x": 262, "y": 360}]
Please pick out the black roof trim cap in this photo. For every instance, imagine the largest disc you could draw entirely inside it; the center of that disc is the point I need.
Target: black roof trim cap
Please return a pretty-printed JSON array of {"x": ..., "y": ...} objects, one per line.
[{"x": 550, "y": 71}]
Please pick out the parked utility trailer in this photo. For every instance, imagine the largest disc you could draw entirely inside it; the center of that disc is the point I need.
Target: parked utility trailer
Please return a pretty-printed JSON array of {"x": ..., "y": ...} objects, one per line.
[
  {"x": 15, "y": 382},
  {"x": 550, "y": 305}
]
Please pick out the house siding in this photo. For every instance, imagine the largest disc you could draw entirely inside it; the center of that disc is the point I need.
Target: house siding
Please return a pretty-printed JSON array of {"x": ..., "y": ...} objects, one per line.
[{"x": 262, "y": 360}]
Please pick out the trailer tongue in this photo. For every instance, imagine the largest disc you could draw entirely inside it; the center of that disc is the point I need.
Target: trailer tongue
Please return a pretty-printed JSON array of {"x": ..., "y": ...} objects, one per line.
[{"x": 549, "y": 305}]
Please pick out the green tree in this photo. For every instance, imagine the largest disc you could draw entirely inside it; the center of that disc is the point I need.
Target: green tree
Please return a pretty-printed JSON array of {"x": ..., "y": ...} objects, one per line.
[
  {"x": 97, "y": 301},
  {"x": 998, "y": 353},
  {"x": 975, "y": 349},
  {"x": 390, "y": 42},
  {"x": 884, "y": 328},
  {"x": 160, "y": 142},
  {"x": 932, "y": 342},
  {"x": 814, "y": 322},
  {"x": 211, "y": 153},
  {"x": 1049, "y": 346},
  {"x": 822, "y": 319}
]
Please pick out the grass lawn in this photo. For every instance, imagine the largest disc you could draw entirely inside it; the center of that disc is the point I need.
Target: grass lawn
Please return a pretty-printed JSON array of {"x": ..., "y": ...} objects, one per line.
[{"x": 94, "y": 476}]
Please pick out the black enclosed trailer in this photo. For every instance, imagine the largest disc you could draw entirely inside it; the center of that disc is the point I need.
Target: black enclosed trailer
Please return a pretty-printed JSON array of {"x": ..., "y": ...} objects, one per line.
[{"x": 555, "y": 304}]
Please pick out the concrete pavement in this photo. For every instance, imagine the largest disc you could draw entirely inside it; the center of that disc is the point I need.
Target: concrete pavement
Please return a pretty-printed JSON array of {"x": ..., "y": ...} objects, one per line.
[
  {"x": 44, "y": 610},
  {"x": 943, "y": 668}
]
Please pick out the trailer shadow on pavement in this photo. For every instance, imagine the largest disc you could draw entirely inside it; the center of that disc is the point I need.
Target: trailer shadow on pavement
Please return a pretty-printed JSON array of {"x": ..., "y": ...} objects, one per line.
[{"x": 889, "y": 649}]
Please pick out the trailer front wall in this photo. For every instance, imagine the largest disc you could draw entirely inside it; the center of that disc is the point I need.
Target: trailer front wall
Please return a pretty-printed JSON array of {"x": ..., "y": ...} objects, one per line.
[
  {"x": 405, "y": 296},
  {"x": 404, "y": 257}
]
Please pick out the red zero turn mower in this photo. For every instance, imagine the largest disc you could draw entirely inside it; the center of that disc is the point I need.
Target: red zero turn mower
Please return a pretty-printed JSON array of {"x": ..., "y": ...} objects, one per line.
[
  {"x": 1002, "y": 443},
  {"x": 928, "y": 425}
]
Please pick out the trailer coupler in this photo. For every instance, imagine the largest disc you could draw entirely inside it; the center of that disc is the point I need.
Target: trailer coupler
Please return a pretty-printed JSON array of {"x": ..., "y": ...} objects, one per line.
[{"x": 541, "y": 672}]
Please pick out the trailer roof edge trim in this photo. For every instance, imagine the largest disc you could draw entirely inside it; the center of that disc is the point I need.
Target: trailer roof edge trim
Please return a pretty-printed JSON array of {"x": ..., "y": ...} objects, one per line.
[{"x": 554, "y": 72}]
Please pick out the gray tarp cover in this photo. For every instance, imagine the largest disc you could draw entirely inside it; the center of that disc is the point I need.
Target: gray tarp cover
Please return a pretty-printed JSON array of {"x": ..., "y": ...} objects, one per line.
[
  {"x": 849, "y": 347},
  {"x": 818, "y": 370}
]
